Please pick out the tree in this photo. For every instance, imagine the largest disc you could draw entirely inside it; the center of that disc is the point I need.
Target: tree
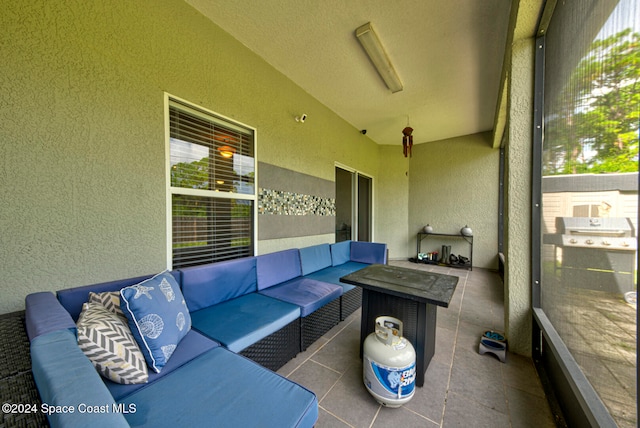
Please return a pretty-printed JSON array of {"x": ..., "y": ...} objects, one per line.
[
  {"x": 191, "y": 175},
  {"x": 595, "y": 122}
]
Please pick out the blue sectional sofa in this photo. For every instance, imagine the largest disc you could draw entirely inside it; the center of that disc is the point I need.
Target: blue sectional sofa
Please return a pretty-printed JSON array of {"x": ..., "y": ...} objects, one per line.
[
  {"x": 245, "y": 315},
  {"x": 328, "y": 263}
]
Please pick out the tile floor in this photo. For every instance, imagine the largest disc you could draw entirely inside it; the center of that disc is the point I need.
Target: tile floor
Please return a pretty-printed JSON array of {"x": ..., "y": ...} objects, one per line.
[
  {"x": 600, "y": 330},
  {"x": 462, "y": 387}
]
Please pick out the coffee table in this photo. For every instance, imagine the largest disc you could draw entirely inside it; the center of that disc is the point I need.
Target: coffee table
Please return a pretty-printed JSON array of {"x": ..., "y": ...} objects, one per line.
[{"x": 410, "y": 295}]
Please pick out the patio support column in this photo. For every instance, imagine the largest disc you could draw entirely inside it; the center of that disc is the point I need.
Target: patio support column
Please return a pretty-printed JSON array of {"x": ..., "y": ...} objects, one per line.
[{"x": 518, "y": 158}]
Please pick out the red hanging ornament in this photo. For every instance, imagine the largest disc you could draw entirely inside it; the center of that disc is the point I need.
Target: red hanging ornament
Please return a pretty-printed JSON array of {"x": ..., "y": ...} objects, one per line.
[{"x": 407, "y": 141}]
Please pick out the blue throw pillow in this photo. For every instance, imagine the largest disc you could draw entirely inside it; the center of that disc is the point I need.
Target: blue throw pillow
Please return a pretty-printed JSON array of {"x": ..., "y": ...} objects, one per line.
[{"x": 158, "y": 317}]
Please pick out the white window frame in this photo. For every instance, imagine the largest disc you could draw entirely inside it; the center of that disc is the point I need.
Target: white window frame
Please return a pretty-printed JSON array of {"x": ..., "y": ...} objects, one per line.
[{"x": 200, "y": 192}]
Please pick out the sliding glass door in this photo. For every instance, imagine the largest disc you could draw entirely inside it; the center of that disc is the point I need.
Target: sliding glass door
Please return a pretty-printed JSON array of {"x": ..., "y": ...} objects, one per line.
[{"x": 353, "y": 205}]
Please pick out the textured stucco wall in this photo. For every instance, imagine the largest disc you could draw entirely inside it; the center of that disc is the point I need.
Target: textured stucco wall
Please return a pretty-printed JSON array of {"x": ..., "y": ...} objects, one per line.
[
  {"x": 82, "y": 141},
  {"x": 518, "y": 158},
  {"x": 83, "y": 138},
  {"x": 454, "y": 183},
  {"x": 391, "y": 216}
]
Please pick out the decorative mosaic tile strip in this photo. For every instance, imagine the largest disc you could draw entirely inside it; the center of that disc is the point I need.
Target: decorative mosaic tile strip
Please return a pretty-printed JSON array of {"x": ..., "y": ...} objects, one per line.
[{"x": 289, "y": 203}]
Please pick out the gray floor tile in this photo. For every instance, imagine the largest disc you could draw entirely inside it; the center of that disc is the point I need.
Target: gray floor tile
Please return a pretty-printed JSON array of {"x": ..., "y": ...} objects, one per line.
[
  {"x": 401, "y": 417},
  {"x": 326, "y": 419},
  {"x": 429, "y": 400},
  {"x": 463, "y": 412},
  {"x": 315, "y": 377},
  {"x": 462, "y": 388},
  {"x": 350, "y": 401},
  {"x": 445, "y": 343},
  {"x": 341, "y": 352},
  {"x": 483, "y": 387},
  {"x": 527, "y": 410},
  {"x": 519, "y": 372}
]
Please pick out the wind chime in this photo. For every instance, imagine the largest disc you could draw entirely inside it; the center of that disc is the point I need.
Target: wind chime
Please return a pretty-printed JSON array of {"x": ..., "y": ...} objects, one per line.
[{"x": 407, "y": 139}]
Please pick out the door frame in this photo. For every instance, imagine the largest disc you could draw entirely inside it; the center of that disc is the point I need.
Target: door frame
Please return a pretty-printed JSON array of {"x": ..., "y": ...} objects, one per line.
[{"x": 354, "y": 199}]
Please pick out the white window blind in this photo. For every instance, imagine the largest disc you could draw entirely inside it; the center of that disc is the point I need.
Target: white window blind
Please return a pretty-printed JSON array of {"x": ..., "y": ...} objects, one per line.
[{"x": 212, "y": 186}]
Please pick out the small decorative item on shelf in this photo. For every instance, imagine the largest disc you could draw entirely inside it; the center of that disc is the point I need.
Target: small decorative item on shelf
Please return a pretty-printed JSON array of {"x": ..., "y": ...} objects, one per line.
[
  {"x": 445, "y": 256},
  {"x": 446, "y": 253},
  {"x": 464, "y": 261},
  {"x": 427, "y": 257}
]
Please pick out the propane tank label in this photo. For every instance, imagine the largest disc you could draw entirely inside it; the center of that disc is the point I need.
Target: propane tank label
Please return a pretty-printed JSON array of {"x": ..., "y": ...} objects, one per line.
[
  {"x": 390, "y": 382},
  {"x": 399, "y": 346}
]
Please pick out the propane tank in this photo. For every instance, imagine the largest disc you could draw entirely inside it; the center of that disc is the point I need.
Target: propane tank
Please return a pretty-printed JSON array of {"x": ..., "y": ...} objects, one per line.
[{"x": 389, "y": 364}]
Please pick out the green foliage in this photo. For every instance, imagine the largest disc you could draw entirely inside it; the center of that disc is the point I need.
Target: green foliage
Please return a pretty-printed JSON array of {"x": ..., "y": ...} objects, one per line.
[
  {"x": 191, "y": 175},
  {"x": 594, "y": 125}
]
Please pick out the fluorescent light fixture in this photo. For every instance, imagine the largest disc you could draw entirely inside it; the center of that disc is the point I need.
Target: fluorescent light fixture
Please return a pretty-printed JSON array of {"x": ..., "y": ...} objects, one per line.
[{"x": 371, "y": 44}]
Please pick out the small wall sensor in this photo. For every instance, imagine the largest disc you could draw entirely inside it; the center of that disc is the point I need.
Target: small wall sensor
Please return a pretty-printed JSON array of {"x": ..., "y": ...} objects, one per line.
[{"x": 301, "y": 118}]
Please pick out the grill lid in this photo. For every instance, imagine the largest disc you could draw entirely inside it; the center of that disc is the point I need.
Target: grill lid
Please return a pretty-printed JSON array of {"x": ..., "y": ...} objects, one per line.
[{"x": 595, "y": 226}]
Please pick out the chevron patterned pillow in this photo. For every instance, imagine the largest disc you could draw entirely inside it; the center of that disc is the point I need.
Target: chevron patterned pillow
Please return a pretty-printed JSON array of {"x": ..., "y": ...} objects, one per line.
[
  {"x": 107, "y": 341},
  {"x": 108, "y": 299}
]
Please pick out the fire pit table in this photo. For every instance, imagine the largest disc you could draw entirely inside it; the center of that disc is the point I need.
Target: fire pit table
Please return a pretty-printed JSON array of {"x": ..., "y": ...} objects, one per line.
[{"x": 411, "y": 295}]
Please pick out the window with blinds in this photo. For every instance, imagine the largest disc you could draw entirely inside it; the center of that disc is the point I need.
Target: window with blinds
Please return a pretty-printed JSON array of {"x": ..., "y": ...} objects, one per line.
[{"x": 212, "y": 186}]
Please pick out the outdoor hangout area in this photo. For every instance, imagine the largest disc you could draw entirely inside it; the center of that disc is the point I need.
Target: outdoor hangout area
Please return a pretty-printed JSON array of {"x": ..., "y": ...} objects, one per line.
[
  {"x": 182, "y": 333},
  {"x": 324, "y": 381},
  {"x": 318, "y": 214}
]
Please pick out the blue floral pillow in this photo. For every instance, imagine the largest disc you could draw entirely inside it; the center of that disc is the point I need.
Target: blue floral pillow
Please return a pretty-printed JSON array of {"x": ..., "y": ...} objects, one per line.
[{"x": 158, "y": 317}]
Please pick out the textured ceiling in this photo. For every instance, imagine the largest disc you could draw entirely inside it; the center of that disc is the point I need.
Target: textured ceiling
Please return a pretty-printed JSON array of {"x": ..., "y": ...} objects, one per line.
[{"x": 448, "y": 54}]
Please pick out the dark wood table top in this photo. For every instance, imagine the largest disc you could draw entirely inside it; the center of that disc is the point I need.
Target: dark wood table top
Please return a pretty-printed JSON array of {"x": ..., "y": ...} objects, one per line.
[{"x": 412, "y": 284}]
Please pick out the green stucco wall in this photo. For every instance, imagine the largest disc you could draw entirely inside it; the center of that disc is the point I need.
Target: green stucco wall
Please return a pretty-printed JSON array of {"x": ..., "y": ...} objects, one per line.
[
  {"x": 83, "y": 143},
  {"x": 454, "y": 183},
  {"x": 391, "y": 215},
  {"x": 83, "y": 135},
  {"x": 518, "y": 160}
]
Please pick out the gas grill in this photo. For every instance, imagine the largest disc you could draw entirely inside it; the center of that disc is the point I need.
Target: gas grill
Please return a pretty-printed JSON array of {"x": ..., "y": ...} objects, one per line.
[{"x": 597, "y": 252}]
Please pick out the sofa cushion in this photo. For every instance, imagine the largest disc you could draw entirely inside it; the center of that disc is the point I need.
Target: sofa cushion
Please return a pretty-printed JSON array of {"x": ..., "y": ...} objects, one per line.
[
  {"x": 331, "y": 275},
  {"x": 368, "y": 252},
  {"x": 192, "y": 345},
  {"x": 314, "y": 258},
  {"x": 44, "y": 314},
  {"x": 220, "y": 388},
  {"x": 73, "y": 298},
  {"x": 65, "y": 377},
  {"x": 334, "y": 273},
  {"x": 209, "y": 284},
  {"x": 241, "y": 322},
  {"x": 348, "y": 267},
  {"x": 340, "y": 253},
  {"x": 308, "y": 294},
  {"x": 278, "y": 267},
  {"x": 107, "y": 341},
  {"x": 158, "y": 317},
  {"x": 109, "y": 299}
]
